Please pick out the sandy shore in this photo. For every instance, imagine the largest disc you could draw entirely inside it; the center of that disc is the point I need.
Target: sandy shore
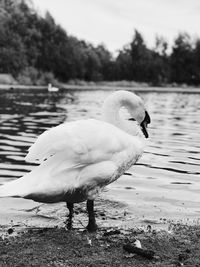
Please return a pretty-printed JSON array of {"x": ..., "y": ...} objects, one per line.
[
  {"x": 59, "y": 247},
  {"x": 34, "y": 234},
  {"x": 42, "y": 240},
  {"x": 110, "y": 210}
]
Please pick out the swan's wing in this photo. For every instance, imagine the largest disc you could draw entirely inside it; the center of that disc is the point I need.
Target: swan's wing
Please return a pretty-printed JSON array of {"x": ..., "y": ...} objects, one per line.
[
  {"x": 83, "y": 154},
  {"x": 56, "y": 186},
  {"x": 80, "y": 142}
]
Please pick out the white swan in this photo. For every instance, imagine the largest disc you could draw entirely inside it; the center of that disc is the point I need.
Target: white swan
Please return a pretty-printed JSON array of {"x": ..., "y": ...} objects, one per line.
[
  {"x": 52, "y": 89},
  {"x": 78, "y": 159}
]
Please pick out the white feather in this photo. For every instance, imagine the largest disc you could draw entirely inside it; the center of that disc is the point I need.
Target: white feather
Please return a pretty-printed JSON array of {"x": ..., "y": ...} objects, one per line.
[{"x": 78, "y": 159}]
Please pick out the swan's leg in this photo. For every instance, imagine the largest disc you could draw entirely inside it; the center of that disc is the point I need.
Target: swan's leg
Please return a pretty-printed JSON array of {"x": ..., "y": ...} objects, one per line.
[
  {"x": 70, "y": 207},
  {"x": 92, "y": 226}
]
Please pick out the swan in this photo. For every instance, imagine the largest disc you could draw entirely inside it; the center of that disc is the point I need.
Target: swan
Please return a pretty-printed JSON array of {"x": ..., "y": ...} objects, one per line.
[
  {"x": 52, "y": 89},
  {"x": 79, "y": 158}
]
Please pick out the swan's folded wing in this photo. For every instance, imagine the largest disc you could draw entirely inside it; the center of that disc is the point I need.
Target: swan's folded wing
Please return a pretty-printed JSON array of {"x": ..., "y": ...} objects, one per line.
[
  {"x": 53, "y": 141},
  {"x": 81, "y": 142}
]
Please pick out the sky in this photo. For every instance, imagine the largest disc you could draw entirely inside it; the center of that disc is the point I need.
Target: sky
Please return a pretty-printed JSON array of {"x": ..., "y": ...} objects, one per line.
[{"x": 112, "y": 22}]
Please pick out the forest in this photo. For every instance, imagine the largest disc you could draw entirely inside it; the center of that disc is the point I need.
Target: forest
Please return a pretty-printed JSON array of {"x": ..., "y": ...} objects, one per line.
[{"x": 36, "y": 50}]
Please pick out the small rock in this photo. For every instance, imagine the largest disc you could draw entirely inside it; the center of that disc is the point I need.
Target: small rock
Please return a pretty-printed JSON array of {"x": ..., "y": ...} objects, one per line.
[
  {"x": 156, "y": 257},
  {"x": 182, "y": 257},
  {"x": 188, "y": 250},
  {"x": 89, "y": 241},
  {"x": 148, "y": 254},
  {"x": 129, "y": 256},
  {"x": 149, "y": 228},
  {"x": 137, "y": 244},
  {"x": 112, "y": 232},
  {"x": 10, "y": 231}
]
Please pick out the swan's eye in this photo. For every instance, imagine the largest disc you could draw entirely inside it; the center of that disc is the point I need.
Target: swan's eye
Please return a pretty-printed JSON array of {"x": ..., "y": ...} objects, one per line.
[
  {"x": 147, "y": 117},
  {"x": 131, "y": 119}
]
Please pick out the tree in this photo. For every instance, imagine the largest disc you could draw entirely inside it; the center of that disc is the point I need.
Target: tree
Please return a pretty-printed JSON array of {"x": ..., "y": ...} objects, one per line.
[
  {"x": 196, "y": 73},
  {"x": 123, "y": 65},
  {"x": 141, "y": 58},
  {"x": 159, "y": 66},
  {"x": 182, "y": 60},
  {"x": 12, "y": 52}
]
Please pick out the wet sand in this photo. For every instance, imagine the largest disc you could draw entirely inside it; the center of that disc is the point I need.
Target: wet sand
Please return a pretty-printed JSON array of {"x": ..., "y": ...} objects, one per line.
[
  {"x": 140, "y": 202},
  {"x": 35, "y": 235},
  {"x": 113, "y": 210}
]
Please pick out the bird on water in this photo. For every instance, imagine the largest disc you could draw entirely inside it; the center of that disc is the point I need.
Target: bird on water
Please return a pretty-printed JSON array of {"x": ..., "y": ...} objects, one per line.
[
  {"x": 52, "y": 88},
  {"x": 79, "y": 158}
]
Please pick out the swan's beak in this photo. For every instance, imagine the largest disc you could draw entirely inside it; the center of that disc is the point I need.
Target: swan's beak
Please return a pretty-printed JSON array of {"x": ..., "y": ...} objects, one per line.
[{"x": 145, "y": 123}]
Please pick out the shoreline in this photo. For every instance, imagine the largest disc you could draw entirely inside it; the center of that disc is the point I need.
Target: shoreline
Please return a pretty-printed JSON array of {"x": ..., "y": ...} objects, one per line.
[
  {"x": 192, "y": 90},
  {"x": 53, "y": 245},
  {"x": 34, "y": 234},
  {"x": 26, "y": 214},
  {"x": 170, "y": 243}
]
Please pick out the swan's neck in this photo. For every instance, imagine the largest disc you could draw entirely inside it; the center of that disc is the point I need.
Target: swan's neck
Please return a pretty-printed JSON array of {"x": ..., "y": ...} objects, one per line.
[{"x": 111, "y": 114}]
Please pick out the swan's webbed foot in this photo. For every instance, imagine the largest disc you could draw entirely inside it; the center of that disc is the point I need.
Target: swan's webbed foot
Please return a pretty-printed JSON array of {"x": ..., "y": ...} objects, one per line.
[
  {"x": 69, "y": 222},
  {"x": 92, "y": 226}
]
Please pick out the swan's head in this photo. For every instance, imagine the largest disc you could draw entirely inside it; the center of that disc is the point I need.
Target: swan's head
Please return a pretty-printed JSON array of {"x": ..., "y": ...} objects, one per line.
[
  {"x": 135, "y": 107},
  {"x": 144, "y": 123}
]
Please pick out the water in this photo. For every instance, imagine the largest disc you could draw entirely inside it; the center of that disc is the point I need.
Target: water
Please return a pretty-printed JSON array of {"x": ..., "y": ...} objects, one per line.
[{"x": 166, "y": 180}]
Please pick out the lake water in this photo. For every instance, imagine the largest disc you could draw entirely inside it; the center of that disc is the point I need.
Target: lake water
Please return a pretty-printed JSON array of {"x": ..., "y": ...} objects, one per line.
[{"x": 166, "y": 180}]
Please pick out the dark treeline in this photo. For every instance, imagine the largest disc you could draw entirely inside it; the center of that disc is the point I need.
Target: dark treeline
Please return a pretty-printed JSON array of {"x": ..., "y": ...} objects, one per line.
[{"x": 34, "y": 49}]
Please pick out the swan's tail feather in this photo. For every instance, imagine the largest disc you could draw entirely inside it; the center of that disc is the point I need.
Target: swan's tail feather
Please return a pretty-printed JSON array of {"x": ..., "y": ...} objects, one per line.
[
  {"x": 41, "y": 179},
  {"x": 16, "y": 188},
  {"x": 9, "y": 190}
]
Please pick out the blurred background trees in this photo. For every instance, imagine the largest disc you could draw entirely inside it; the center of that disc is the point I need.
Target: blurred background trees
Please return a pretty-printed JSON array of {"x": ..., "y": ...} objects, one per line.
[{"x": 35, "y": 50}]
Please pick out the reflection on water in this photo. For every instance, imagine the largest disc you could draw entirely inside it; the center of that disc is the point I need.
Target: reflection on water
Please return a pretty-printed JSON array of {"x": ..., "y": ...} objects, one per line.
[
  {"x": 170, "y": 164},
  {"x": 174, "y": 133}
]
